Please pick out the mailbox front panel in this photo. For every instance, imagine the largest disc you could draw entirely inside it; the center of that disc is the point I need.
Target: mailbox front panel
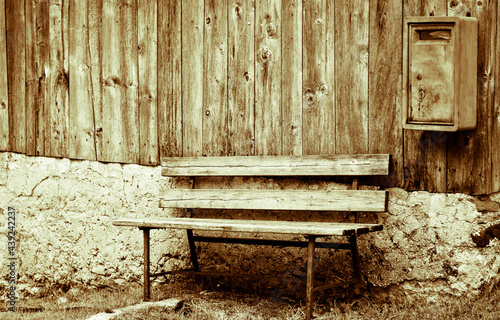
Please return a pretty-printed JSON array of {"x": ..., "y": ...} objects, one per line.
[{"x": 431, "y": 55}]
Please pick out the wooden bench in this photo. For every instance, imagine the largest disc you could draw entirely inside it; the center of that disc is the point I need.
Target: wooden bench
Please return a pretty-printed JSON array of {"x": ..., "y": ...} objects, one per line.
[{"x": 353, "y": 200}]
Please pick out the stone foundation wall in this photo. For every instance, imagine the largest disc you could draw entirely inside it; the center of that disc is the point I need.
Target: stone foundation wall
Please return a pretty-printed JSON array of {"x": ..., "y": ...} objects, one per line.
[{"x": 65, "y": 237}]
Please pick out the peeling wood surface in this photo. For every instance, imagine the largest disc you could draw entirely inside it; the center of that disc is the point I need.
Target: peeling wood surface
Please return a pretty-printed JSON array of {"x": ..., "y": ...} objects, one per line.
[
  {"x": 319, "y": 74},
  {"x": 351, "y": 70},
  {"x": 148, "y": 115},
  {"x": 292, "y": 56},
  {"x": 120, "y": 117},
  {"x": 169, "y": 78},
  {"x": 81, "y": 113},
  {"x": 268, "y": 136},
  {"x": 425, "y": 159},
  {"x": 215, "y": 127},
  {"x": 345, "y": 165},
  {"x": 384, "y": 122},
  {"x": 192, "y": 76},
  {"x": 288, "y": 227},
  {"x": 495, "y": 137},
  {"x": 469, "y": 152},
  {"x": 58, "y": 89},
  {"x": 4, "y": 92},
  {"x": 241, "y": 78}
]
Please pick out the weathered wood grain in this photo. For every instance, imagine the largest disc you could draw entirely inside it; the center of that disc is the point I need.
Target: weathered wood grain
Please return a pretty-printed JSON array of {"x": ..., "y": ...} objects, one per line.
[
  {"x": 4, "y": 92},
  {"x": 268, "y": 109},
  {"x": 94, "y": 17},
  {"x": 81, "y": 115},
  {"x": 495, "y": 137},
  {"x": 351, "y": 71},
  {"x": 355, "y": 165},
  {"x": 425, "y": 152},
  {"x": 288, "y": 227},
  {"x": 469, "y": 152},
  {"x": 384, "y": 86},
  {"x": 215, "y": 112},
  {"x": 192, "y": 76},
  {"x": 319, "y": 74},
  {"x": 169, "y": 78},
  {"x": 338, "y": 200},
  {"x": 120, "y": 118},
  {"x": 40, "y": 109},
  {"x": 31, "y": 79},
  {"x": 147, "y": 33},
  {"x": 15, "y": 27},
  {"x": 291, "y": 70},
  {"x": 58, "y": 80},
  {"x": 241, "y": 78}
]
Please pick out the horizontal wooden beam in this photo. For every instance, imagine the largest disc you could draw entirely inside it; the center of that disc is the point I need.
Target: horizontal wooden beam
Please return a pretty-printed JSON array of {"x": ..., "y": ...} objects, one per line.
[
  {"x": 252, "y": 226},
  {"x": 269, "y": 242},
  {"x": 327, "y": 200},
  {"x": 332, "y": 165}
]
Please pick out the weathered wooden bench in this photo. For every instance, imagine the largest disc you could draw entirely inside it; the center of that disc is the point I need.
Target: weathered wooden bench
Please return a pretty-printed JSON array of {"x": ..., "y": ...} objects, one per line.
[{"x": 353, "y": 200}]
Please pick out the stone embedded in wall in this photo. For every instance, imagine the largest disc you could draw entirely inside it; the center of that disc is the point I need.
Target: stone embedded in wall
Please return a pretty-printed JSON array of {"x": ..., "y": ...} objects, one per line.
[{"x": 65, "y": 208}]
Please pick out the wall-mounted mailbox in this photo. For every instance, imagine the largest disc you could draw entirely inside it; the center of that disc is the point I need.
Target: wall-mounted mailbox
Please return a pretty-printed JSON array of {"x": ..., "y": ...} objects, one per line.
[{"x": 440, "y": 73}]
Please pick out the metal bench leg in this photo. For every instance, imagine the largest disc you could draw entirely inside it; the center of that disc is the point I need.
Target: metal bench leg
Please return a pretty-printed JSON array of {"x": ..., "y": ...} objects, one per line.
[
  {"x": 310, "y": 277},
  {"x": 355, "y": 257},
  {"x": 147, "y": 285},
  {"x": 192, "y": 250}
]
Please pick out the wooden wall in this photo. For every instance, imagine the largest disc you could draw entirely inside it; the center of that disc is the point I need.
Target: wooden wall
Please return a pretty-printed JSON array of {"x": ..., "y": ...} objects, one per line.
[{"x": 134, "y": 81}]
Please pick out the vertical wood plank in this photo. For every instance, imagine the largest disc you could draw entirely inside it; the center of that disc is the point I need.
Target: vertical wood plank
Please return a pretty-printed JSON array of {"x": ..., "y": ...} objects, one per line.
[
  {"x": 81, "y": 115},
  {"x": 58, "y": 82},
  {"x": 31, "y": 79},
  {"x": 192, "y": 76},
  {"x": 94, "y": 18},
  {"x": 351, "y": 70},
  {"x": 425, "y": 152},
  {"x": 4, "y": 92},
  {"x": 495, "y": 137},
  {"x": 215, "y": 112},
  {"x": 268, "y": 138},
  {"x": 15, "y": 20},
  {"x": 241, "y": 78},
  {"x": 319, "y": 74},
  {"x": 120, "y": 75},
  {"x": 169, "y": 78},
  {"x": 42, "y": 74},
  {"x": 469, "y": 152},
  {"x": 291, "y": 70},
  {"x": 148, "y": 132},
  {"x": 385, "y": 85}
]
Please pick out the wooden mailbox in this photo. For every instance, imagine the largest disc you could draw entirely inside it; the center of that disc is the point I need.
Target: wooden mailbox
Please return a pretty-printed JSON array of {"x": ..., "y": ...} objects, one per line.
[{"x": 439, "y": 73}]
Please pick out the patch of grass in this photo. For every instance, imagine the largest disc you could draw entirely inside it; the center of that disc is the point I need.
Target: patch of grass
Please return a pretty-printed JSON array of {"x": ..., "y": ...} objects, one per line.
[{"x": 217, "y": 302}]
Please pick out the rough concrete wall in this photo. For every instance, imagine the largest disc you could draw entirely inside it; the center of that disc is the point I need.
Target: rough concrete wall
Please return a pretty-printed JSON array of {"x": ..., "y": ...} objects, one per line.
[{"x": 65, "y": 236}]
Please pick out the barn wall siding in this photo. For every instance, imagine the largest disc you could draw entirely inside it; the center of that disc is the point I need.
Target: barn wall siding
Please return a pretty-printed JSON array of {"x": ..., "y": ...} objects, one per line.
[{"x": 138, "y": 81}]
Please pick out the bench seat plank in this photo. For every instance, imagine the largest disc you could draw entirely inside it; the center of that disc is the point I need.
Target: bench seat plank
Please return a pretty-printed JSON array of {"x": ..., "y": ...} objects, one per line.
[
  {"x": 328, "y": 200},
  {"x": 326, "y": 165},
  {"x": 253, "y": 226}
]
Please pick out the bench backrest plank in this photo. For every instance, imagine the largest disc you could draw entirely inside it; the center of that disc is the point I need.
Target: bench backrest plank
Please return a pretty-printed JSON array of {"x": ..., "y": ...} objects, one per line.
[
  {"x": 314, "y": 200},
  {"x": 332, "y": 165}
]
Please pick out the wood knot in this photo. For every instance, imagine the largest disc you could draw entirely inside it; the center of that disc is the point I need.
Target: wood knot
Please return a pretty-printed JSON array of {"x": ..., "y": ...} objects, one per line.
[
  {"x": 208, "y": 20},
  {"x": 247, "y": 76},
  {"x": 454, "y": 3},
  {"x": 271, "y": 29},
  {"x": 265, "y": 55},
  {"x": 207, "y": 113},
  {"x": 237, "y": 11}
]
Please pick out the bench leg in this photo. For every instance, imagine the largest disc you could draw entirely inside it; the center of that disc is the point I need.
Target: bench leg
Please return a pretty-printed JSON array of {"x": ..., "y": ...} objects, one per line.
[
  {"x": 147, "y": 285},
  {"x": 310, "y": 276},
  {"x": 355, "y": 257},
  {"x": 192, "y": 249}
]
